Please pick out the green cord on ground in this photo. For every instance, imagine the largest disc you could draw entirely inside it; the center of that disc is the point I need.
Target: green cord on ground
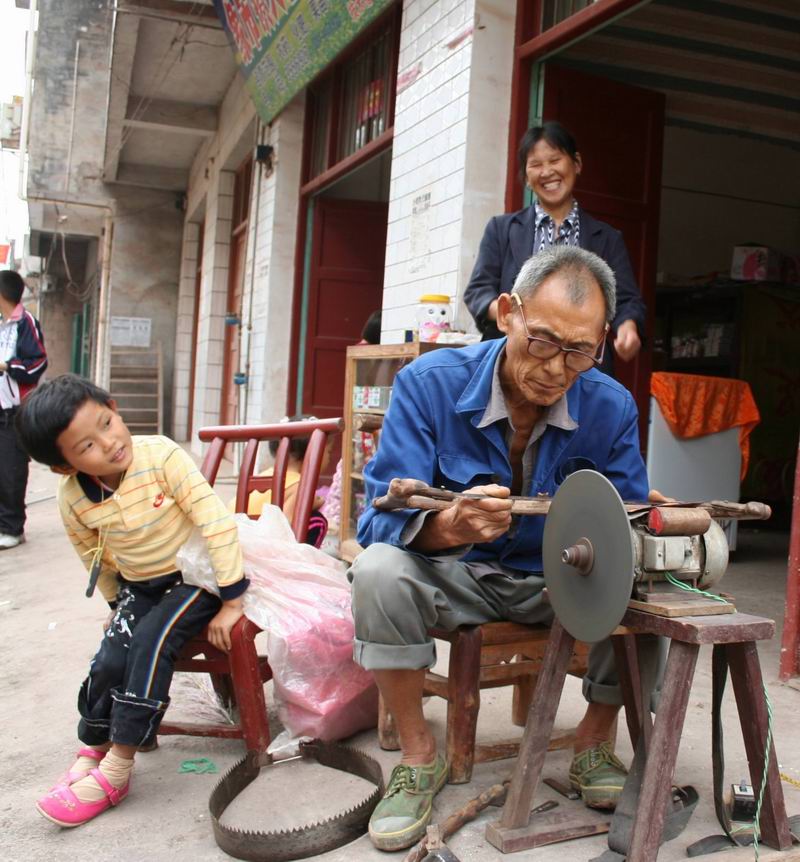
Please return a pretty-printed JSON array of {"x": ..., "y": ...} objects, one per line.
[
  {"x": 684, "y": 586},
  {"x": 200, "y": 765}
]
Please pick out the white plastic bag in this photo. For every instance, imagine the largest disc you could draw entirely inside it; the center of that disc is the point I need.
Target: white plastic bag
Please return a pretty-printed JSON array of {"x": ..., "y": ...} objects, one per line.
[{"x": 301, "y": 598}]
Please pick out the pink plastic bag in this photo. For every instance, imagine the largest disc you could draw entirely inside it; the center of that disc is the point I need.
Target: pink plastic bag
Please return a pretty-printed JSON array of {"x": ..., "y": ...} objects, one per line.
[{"x": 301, "y": 598}]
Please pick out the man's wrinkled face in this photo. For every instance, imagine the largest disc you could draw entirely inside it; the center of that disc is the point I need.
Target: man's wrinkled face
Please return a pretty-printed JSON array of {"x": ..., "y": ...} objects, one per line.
[{"x": 549, "y": 314}]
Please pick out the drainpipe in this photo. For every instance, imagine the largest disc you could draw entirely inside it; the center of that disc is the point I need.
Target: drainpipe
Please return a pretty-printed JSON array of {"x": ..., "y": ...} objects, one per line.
[
  {"x": 72, "y": 117},
  {"x": 26, "y": 101},
  {"x": 102, "y": 359},
  {"x": 259, "y": 139}
]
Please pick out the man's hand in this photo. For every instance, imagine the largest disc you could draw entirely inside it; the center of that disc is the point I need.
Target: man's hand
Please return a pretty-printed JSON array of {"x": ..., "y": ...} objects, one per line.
[
  {"x": 657, "y": 497},
  {"x": 627, "y": 342},
  {"x": 219, "y": 629},
  {"x": 467, "y": 522}
]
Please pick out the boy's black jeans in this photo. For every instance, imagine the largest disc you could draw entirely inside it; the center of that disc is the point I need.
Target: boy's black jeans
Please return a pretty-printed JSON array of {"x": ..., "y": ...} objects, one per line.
[
  {"x": 14, "y": 464},
  {"x": 124, "y": 697}
]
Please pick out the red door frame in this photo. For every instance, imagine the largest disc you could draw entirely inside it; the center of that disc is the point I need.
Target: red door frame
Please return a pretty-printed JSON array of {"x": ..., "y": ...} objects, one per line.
[
  {"x": 533, "y": 46},
  {"x": 310, "y": 186}
]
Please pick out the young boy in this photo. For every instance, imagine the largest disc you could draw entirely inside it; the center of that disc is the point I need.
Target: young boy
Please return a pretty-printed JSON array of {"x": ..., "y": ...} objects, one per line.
[
  {"x": 128, "y": 504},
  {"x": 22, "y": 362}
]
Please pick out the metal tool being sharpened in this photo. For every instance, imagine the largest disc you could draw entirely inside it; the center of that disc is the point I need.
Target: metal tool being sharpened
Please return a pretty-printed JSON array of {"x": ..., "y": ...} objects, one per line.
[{"x": 601, "y": 555}]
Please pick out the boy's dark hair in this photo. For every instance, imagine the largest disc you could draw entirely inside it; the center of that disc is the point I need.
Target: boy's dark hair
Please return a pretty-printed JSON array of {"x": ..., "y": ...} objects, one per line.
[
  {"x": 297, "y": 445},
  {"x": 371, "y": 333},
  {"x": 554, "y": 134},
  {"x": 11, "y": 286},
  {"x": 48, "y": 411}
]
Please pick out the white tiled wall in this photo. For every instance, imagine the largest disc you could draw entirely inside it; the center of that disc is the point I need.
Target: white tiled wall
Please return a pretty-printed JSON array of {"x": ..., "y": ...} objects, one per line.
[
  {"x": 449, "y": 149},
  {"x": 268, "y": 296}
]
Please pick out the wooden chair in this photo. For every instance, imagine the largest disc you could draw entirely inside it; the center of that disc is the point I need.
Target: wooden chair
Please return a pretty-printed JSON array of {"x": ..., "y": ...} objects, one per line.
[
  {"x": 239, "y": 675},
  {"x": 485, "y": 656}
]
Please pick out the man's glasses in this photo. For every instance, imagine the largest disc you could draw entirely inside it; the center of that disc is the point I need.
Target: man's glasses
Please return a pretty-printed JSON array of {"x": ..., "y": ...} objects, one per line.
[{"x": 542, "y": 348}]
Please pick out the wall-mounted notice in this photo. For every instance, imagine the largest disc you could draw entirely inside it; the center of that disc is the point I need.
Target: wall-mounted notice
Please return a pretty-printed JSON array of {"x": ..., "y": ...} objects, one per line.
[{"x": 130, "y": 331}]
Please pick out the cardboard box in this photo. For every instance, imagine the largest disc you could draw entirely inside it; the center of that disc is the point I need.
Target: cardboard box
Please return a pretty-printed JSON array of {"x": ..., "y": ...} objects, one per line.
[{"x": 755, "y": 263}]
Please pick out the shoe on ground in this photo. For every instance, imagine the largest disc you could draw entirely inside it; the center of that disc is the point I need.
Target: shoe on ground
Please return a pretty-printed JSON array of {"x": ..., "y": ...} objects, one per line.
[
  {"x": 7, "y": 541},
  {"x": 62, "y": 806},
  {"x": 599, "y": 775},
  {"x": 401, "y": 817}
]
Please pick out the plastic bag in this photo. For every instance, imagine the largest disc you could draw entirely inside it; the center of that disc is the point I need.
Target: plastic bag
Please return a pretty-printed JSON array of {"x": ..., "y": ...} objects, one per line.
[{"x": 300, "y": 597}]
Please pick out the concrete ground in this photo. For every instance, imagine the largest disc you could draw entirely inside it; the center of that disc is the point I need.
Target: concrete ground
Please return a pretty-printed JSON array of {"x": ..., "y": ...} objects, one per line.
[{"x": 48, "y": 632}]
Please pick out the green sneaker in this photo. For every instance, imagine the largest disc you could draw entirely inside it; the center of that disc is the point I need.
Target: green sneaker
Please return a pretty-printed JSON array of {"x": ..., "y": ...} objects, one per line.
[
  {"x": 400, "y": 818},
  {"x": 599, "y": 775}
]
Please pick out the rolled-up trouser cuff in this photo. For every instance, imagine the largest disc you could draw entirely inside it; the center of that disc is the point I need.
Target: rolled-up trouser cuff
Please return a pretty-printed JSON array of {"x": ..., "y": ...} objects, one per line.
[
  {"x": 372, "y": 656},
  {"x": 135, "y": 720},
  {"x": 597, "y": 692},
  {"x": 93, "y": 731}
]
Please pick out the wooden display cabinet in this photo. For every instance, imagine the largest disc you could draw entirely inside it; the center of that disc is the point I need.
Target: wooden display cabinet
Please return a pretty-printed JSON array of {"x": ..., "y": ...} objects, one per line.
[{"x": 369, "y": 374}]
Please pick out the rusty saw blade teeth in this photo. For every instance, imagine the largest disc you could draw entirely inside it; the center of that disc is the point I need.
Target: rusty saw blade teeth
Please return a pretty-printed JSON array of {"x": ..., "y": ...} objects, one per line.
[{"x": 302, "y": 841}]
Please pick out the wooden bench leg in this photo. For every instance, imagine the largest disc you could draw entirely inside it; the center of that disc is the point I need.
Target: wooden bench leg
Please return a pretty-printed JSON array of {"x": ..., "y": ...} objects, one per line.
[
  {"x": 538, "y": 728},
  {"x": 662, "y": 752},
  {"x": 387, "y": 731},
  {"x": 521, "y": 699},
  {"x": 249, "y": 691},
  {"x": 748, "y": 687},
  {"x": 463, "y": 702}
]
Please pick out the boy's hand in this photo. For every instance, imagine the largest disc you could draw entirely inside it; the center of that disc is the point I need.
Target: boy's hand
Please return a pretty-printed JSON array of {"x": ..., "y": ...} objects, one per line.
[{"x": 219, "y": 629}]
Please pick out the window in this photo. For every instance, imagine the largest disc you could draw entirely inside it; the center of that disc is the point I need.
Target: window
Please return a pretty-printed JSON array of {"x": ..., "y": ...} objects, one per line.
[
  {"x": 556, "y": 11},
  {"x": 354, "y": 103}
]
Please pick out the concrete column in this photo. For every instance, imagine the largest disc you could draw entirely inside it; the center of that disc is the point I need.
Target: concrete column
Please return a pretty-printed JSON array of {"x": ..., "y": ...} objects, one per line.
[
  {"x": 269, "y": 292},
  {"x": 449, "y": 149},
  {"x": 184, "y": 346},
  {"x": 213, "y": 298}
]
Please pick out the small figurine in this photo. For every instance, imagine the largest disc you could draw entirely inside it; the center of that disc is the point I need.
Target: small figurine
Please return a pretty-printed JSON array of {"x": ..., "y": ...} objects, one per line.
[{"x": 433, "y": 316}]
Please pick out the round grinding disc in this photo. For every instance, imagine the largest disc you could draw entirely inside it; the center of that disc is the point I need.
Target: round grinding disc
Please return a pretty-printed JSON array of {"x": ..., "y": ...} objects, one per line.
[{"x": 591, "y": 605}]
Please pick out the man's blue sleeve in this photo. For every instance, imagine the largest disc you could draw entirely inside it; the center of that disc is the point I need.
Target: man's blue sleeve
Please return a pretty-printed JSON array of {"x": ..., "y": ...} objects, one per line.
[{"x": 625, "y": 467}]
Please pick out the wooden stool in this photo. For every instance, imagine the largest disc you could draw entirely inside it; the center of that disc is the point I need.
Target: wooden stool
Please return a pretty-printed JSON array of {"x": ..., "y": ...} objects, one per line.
[
  {"x": 735, "y": 635},
  {"x": 486, "y": 656}
]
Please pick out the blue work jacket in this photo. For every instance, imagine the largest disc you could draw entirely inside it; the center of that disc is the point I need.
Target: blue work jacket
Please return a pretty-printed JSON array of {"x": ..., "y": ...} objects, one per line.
[{"x": 429, "y": 433}]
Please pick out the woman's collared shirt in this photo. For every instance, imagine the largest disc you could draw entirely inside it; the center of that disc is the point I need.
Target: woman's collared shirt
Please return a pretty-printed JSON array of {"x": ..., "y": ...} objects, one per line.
[{"x": 544, "y": 233}]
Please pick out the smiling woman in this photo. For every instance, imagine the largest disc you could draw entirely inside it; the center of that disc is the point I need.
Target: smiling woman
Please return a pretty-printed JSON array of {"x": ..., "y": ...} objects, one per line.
[{"x": 550, "y": 165}]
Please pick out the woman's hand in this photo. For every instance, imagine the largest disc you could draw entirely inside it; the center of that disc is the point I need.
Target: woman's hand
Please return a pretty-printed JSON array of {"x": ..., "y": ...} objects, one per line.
[
  {"x": 109, "y": 619},
  {"x": 627, "y": 342},
  {"x": 219, "y": 629},
  {"x": 467, "y": 522}
]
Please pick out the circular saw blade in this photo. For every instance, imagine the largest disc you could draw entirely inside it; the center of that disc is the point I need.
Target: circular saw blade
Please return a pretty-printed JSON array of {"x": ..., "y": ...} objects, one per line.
[{"x": 591, "y": 605}]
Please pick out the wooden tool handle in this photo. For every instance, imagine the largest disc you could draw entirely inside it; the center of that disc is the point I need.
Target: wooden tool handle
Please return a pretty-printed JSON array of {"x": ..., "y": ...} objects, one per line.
[{"x": 678, "y": 522}]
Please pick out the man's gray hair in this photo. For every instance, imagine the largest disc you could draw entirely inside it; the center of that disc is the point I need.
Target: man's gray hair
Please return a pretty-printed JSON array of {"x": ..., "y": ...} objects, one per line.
[{"x": 575, "y": 264}]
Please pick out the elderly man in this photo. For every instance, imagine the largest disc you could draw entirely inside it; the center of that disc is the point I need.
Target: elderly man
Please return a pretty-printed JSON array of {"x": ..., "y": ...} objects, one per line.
[{"x": 514, "y": 416}]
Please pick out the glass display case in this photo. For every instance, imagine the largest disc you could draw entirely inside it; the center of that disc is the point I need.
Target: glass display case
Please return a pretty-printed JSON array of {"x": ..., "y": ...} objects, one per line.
[{"x": 369, "y": 375}]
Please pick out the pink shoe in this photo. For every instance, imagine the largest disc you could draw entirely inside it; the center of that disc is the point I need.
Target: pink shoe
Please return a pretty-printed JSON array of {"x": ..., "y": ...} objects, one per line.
[
  {"x": 70, "y": 777},
  {"x": 63, "y": 807}
]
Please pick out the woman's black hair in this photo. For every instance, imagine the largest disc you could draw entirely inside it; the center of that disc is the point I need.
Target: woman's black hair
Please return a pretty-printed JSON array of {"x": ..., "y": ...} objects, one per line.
[
  {"x": 554, "y": 134},
  {"x": 297, "y": 445},
  {"x": 371, "y": 333},
  {"x": 49, "y": 410}
]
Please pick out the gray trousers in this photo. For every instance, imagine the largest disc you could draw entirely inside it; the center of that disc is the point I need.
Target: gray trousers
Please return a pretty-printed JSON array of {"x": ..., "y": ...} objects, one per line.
[{"x": 398, "y": 596}]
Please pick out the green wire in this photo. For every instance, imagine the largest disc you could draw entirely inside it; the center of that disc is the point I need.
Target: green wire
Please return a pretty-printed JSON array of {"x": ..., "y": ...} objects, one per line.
[
  {"x": 684, "y": 586},
  {"x": 770, "y": 715},
  {"x": 767, "y": 748}
]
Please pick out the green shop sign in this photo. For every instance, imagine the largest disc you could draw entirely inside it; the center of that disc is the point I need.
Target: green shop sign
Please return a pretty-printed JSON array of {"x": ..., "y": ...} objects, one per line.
[{"x": 281, "y": 45}]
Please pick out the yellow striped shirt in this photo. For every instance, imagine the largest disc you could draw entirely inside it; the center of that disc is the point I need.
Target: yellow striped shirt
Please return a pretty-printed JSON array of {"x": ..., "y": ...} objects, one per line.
[{"x": 162, "y": 497}]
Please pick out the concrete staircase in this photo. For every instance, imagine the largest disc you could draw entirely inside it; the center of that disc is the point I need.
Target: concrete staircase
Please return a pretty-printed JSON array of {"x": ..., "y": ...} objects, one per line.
[{"x": 136, "y": 384}]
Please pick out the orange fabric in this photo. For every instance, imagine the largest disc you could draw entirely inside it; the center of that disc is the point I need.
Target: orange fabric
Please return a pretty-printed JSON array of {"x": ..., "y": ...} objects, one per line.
[{"x": 694, "y": 405}]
